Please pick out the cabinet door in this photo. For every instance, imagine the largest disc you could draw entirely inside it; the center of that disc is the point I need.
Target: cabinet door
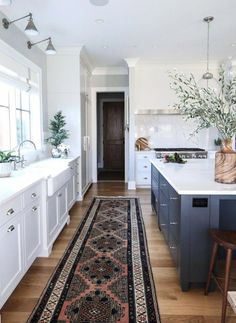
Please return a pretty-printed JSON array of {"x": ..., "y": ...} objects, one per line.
[
  {"x": 32, "y": 233},
  {"x": 52, "y": 217},
  {"x": 71, "y": 189},
  {"x": 11, "y": 257},
  {"x": 62, "y": 203}
]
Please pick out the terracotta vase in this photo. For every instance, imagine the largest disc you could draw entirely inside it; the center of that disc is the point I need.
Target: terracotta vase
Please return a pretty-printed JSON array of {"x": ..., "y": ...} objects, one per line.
[{"x": 225, "y": 163}]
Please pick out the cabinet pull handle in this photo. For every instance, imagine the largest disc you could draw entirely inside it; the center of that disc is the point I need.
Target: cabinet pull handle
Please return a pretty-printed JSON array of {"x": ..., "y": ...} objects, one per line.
[
  {"x": 174, "y": 198},
  {"x": 174, "y": 223},
  {"x": 163, "y": 204},
  {"x": 145, "y": 167},
  {"x": 10, "y": 211},
  {"x": 145, "y": 178},
  {"x": 11, "y": 228},
  {"x": 172, "y": 247},
  {"x": 145, "y": 156},
  {"x": 60, "y": 194},
  {"x": 33, "y": 195},
  {"x": 71, "y": 167},
  {"x": 163, "y": 224},
  {"x": 34, "y": 208}
]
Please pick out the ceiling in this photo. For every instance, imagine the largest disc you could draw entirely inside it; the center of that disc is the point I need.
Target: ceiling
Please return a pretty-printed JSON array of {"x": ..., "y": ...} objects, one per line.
[{"x": 166, "y": 31}]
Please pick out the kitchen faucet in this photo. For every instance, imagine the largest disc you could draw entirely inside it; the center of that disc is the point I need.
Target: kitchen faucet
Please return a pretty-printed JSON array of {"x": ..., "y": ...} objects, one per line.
[{"x": 21, "y": 158}]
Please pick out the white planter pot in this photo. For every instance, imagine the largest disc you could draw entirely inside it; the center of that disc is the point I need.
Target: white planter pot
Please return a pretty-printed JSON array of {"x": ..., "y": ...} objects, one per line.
[{"x": 5, "y": 169}]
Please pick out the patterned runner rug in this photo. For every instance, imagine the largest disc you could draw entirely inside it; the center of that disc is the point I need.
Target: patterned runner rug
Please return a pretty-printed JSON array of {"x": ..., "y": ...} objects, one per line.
[{"x": 105, "y": 274}]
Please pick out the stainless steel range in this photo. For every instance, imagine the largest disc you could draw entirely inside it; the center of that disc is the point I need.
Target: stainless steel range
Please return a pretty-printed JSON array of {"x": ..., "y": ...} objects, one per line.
[{"x": 185, "y": 153}]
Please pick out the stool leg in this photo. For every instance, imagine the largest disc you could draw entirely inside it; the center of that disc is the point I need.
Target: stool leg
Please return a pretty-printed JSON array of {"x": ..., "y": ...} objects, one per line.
[
  {"x": 226, "y": 284},
  {"x": 212, "y": 264}
]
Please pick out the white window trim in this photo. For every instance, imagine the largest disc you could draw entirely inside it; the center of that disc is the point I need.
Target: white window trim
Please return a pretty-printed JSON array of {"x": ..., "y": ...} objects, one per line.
[{"x": 14, "y": 54}]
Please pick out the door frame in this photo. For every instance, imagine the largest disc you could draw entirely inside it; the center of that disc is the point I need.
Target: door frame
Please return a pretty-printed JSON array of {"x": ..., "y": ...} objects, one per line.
[{"x": 95, "y": 91}]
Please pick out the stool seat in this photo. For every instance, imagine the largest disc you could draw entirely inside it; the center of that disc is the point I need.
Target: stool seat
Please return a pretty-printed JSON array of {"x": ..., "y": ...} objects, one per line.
[{"x": 226, "y": 239}]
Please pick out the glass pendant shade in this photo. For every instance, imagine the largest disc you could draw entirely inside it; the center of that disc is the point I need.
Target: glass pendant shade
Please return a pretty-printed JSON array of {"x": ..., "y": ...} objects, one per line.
[
  {"x": 50, "y": 50},
  {"x": 210, "y": 83},
  {"x": 30, "y": 29}
]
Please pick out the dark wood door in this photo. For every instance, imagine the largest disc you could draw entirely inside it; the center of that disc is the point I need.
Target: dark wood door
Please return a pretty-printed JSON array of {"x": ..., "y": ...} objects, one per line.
[{"x": 113, "y": 135}]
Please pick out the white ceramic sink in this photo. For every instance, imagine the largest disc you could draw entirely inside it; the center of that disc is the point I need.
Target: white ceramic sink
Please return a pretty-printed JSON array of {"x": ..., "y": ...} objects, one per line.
[{"x": 57, "y": 180}]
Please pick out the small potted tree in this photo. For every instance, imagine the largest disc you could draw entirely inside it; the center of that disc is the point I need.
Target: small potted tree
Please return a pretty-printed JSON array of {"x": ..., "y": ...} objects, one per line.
[
  {"x": 58, "y": 133},
  {"x": 5, "y": 163}
]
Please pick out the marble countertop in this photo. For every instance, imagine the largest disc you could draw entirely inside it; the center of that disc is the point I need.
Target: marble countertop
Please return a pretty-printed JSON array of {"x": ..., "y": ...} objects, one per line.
[
  {"x": 30, "y": 175},
  {"x": 196, "y": 177}
]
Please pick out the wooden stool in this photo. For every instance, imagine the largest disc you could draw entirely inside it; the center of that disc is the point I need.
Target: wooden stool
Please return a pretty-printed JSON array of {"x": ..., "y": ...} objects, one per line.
[{"x": 227, "y": 240}]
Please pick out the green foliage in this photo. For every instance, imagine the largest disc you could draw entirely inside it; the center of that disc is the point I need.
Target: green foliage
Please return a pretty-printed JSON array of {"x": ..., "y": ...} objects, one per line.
[
  {"x": 58, "y": 133},
  {"x": 6, "y": 156},
  {"x": 218, "y": 142},
  {"x": 205, "y": 105}
]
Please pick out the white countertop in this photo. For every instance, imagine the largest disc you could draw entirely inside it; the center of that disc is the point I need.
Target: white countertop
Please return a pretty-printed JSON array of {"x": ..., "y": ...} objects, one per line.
[
  {"x": 194, "y": 177},
  {"x": 30, "y": 175}
]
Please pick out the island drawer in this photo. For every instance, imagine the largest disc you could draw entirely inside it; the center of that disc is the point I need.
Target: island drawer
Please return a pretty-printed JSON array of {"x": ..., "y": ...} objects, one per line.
[
  {"x": 9, "y": 209},
  {"x": 32, "y": 194}
]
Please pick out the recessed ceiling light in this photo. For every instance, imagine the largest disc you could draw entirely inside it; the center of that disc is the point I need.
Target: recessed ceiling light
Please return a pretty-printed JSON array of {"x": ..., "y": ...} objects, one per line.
[
  {"x": 233, "y": 44},
  {"x": 99, "y": 2},
  {"x": 105, "y": 46},
  {"x": 99, "y": 21}
]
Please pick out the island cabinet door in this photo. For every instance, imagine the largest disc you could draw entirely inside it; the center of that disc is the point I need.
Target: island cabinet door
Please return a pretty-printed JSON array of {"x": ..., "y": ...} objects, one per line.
[
  {"x": 155, "y": 191},
  {"x": 164, "y": 215},
  {"x": 174, "y": 224}
]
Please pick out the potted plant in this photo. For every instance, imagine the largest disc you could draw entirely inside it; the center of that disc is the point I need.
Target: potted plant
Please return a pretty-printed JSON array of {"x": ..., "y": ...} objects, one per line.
[
  {"x": 58, "y": 133},
  {"x": 5, "y": 163},
  {"x": 211, "y": 109}
]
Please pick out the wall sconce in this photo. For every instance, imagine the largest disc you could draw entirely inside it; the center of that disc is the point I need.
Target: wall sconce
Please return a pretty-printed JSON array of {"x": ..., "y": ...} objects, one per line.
[
  {"x": 50, "y": 48},
  {"x": 30, "y": 29}
]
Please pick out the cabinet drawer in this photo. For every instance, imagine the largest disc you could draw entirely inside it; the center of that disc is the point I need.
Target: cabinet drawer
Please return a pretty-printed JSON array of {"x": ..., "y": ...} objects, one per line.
[
  {"x": 143, "y": 178},
  {"x": 143, "y": 166},
  {"x": 145, "y": 155},
  {"x": 10, "y": 208},
  {"x": 32, "y": 194}
]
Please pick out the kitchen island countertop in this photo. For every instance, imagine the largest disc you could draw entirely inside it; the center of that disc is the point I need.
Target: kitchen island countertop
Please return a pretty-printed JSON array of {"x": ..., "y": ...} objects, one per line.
[{"x": 195, "y": 177}]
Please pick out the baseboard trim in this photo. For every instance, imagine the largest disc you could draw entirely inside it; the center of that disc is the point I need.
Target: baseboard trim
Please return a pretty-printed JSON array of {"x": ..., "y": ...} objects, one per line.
[{"x": 131, "y": 185}]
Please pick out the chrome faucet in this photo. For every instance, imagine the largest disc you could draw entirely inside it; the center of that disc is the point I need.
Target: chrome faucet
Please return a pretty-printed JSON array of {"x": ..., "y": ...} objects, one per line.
[{"x": 21, "y": 158}]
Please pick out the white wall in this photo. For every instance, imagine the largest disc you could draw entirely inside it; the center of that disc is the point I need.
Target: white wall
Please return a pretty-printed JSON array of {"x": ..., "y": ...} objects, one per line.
[
  {"x": 152, "y": 91},
  {"x": 63, "y": 77}
]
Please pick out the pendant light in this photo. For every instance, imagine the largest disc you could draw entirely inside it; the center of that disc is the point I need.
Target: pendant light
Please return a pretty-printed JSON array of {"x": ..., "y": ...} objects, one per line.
[
  {"x": 208, "y": 80},
  {"x": 30, "y": 29},
  {"x": 99, "y": 2}
]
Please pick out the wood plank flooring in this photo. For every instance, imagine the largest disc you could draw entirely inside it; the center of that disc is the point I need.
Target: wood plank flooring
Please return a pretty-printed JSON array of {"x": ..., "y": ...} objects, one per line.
[{"x": 175, "y": 306}]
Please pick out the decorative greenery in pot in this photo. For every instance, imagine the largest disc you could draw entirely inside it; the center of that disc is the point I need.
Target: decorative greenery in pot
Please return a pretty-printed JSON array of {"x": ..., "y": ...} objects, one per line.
[
  {"x": 58, "y": 133},
  {"x": 6, "y": 157},
  {"x": 211, "y": 109}
]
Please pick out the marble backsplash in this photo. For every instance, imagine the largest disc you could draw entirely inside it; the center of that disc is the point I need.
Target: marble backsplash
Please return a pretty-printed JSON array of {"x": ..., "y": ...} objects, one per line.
[{"x": 173, "y": 131}]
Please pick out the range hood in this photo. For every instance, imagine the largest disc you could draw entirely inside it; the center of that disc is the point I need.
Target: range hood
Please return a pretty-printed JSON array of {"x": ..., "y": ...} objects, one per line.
[{"x": 157, "y": 112}]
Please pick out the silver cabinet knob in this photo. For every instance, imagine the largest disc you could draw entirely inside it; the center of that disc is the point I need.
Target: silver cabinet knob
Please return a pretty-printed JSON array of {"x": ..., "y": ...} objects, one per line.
[
  {"x": 59, "y": 195},
  {"x": 33, "y": 195},
  {"x": 174, "y": 198},
  {"x": 34, "y": 208},
  {"x": 174, "y": 223},
  {"x": 10, "y": 211},
  {"x": 11, "y": 228}
]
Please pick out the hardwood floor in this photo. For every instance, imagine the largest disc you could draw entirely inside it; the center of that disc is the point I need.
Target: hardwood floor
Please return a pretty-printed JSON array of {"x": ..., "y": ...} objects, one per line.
[{"x": 175, "y": 306}]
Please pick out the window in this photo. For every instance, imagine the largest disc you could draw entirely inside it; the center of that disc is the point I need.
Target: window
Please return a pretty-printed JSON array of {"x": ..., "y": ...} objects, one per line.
[{"x": 19, "y": 105}]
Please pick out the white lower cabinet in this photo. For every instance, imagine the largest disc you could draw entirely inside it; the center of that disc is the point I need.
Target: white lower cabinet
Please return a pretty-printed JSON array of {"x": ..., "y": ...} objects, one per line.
[
  {"x": 32, "y": 233},
  {"x": 11, "y": 256},
  {"x": 143, "y": 168}
]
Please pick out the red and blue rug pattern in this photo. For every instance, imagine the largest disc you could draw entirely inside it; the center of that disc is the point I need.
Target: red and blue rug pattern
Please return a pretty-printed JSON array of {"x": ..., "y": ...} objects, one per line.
[{"x": 105, "y": 274}]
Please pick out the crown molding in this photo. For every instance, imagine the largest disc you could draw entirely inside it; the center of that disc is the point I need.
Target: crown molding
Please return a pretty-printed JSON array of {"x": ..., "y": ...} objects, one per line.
[
  {"x": 75, "y": 50},
  {"x": 113, "y": 70},
  {"x": 131, "y": 62}
]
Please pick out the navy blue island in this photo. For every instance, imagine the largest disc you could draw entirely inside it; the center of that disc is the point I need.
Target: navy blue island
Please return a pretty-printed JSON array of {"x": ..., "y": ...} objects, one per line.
[{"x": 188, "y": 202}]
